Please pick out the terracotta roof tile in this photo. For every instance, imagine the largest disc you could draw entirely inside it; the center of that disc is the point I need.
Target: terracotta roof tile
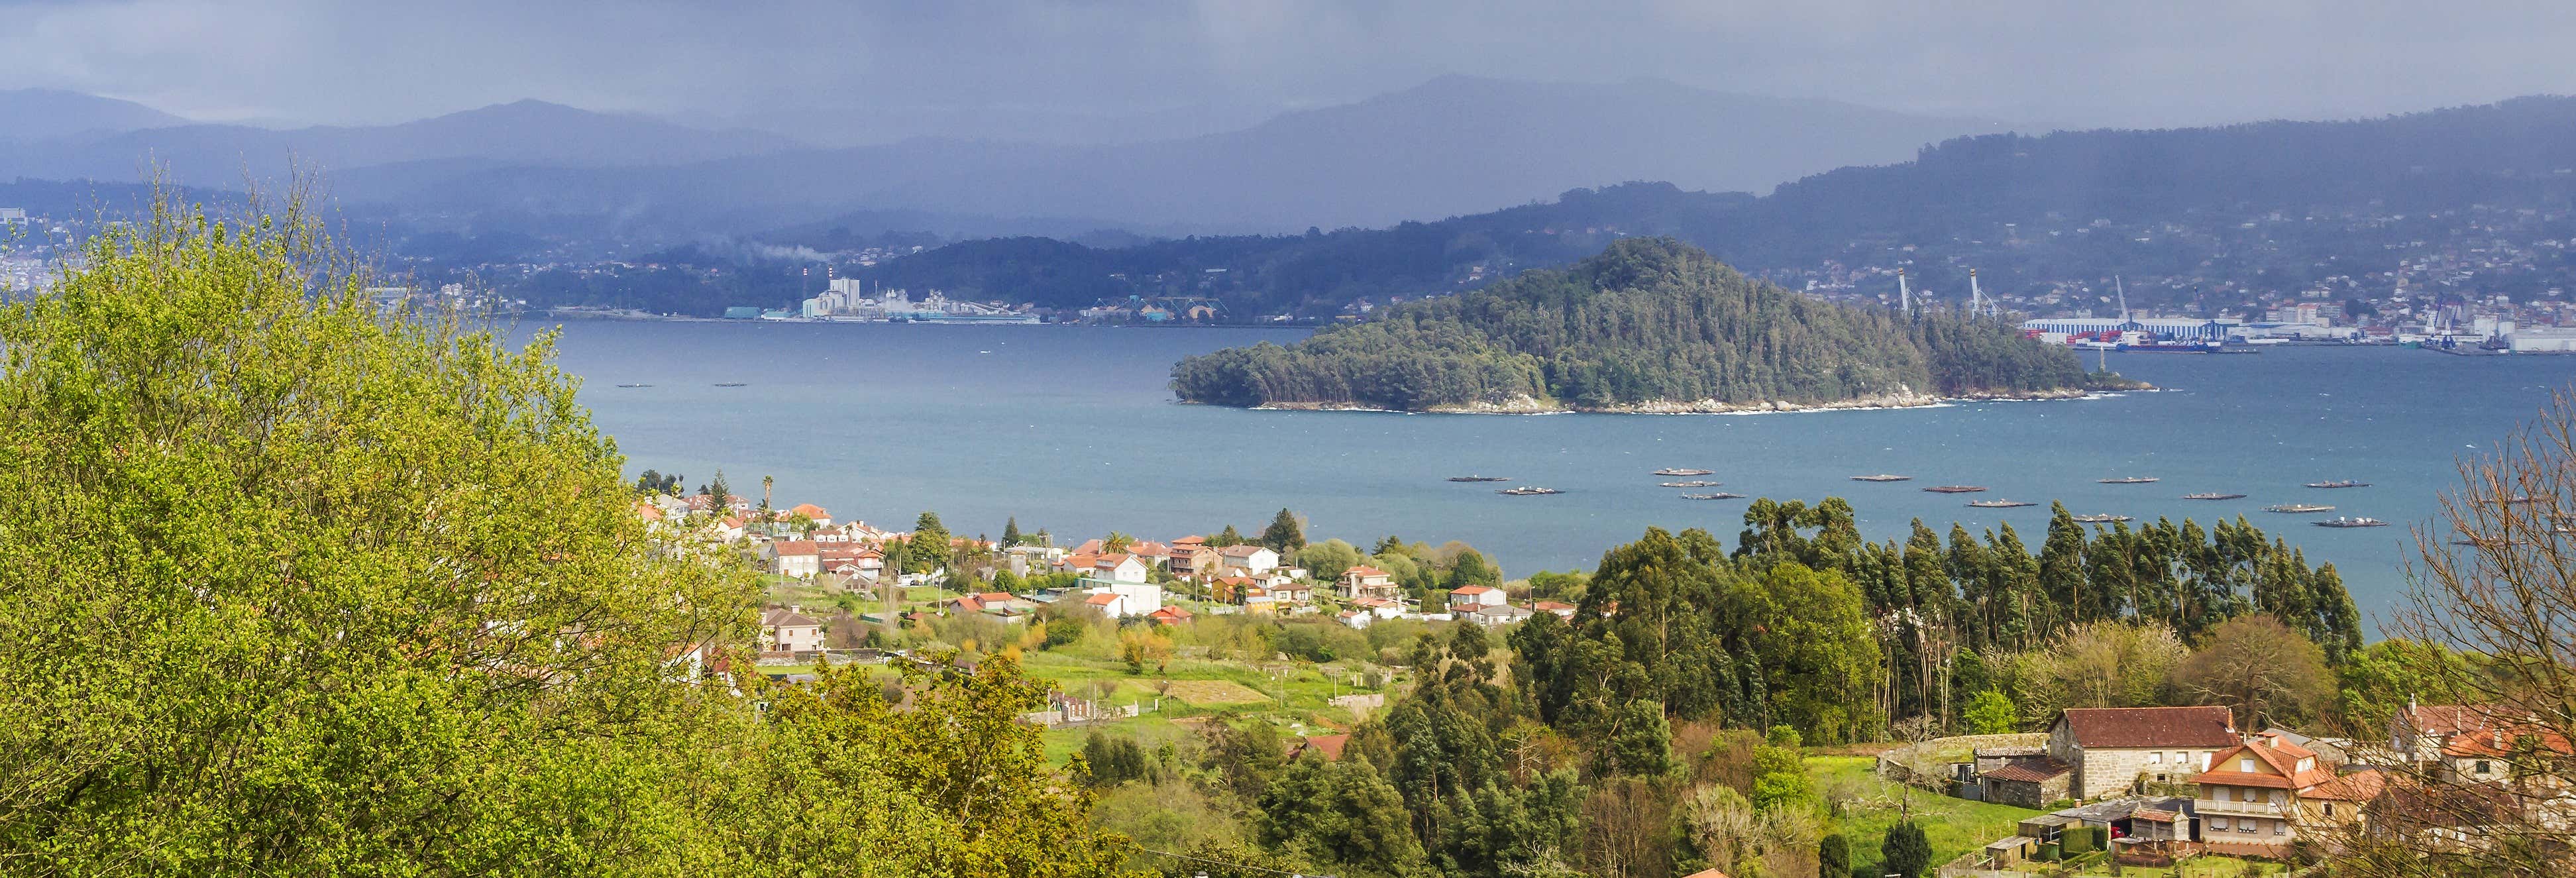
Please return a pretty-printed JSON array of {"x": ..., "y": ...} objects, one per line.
[{"x": 2116, "y": 727}]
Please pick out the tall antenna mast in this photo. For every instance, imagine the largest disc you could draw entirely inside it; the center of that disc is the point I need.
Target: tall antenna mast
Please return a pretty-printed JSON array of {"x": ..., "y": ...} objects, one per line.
[
  {"x": 1975, "y": 298},
  {"x": 1904, "y": 297}
]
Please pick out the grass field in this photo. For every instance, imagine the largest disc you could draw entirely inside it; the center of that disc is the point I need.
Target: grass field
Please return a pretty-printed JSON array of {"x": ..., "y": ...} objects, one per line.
[
  {"x": 1954, "y": 826},
  {"x": 1215, "y": 693}
]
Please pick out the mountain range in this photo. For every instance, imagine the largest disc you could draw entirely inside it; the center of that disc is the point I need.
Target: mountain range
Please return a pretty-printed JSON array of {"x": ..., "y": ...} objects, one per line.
[
  {"x": 1452, "y": 145},
  {"x": 32, "y": 115}
]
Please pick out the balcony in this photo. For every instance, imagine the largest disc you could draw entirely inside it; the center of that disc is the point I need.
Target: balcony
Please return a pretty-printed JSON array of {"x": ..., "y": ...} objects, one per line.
[{"x": 2261, "y": 809}]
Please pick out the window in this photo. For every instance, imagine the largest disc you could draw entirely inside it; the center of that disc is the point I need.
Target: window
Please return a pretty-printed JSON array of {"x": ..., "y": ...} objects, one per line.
[
  {"x": 2155, "y": 757},
  {"x": 2329, "y": 809},
  {"x": 2482, "y": 766},
  {"x": 2245, "y": 765},
  {"x": 2222, "y": 794},
  {"x": 2218, "y": 823},
  {"x": 2280, "y": 827}
]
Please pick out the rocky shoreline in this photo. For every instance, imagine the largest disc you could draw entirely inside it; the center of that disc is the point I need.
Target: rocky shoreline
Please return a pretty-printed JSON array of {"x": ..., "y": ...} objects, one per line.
[{"x": 1527, "y": 405}]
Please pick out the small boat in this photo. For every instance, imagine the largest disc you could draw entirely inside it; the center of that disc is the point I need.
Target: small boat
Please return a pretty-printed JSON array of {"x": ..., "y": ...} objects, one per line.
[
  {"x": 1527, "y": 491},
  {"x": 1882, "y": 477},
  {"x": 1478, "y": 479},
  {"x": 2299, "y": 508},
  {"x": 2098, "y": 519},
  {"x": 1694, "y": 483},
  {"x": 634, "y": 385},
  {"x": 2000, "y": 504},
  {"x": 1684, "y": 472},
  {"x": 2128, "y": 480},
  {"x": 2346, "y": 483},
  {"x": 730, "y": 384},
  {"x": 1721, "y": 495},
  {"x": 1955, "y": 489},
  {"x": 2343, "y": 521},
  {"x": 2213, "y": 496}
]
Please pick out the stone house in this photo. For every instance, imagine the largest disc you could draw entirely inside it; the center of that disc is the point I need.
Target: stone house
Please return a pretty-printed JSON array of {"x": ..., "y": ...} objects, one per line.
[{"x": 2113, "y": 750}]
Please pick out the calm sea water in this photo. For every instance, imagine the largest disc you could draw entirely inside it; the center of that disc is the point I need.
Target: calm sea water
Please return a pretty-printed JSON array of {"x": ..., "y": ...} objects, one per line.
[{"x": 1073, "y": 429}]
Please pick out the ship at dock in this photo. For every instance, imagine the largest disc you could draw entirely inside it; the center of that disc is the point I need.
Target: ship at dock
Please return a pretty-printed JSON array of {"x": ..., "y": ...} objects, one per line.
[
  {"x": 2213, "y": 496},
  {"x": 2000, "y": 504},
  {"x": 1955, "y": 489},
  {"x": 2299, "y": 508},
  {"x": 1882, "y": 477}
]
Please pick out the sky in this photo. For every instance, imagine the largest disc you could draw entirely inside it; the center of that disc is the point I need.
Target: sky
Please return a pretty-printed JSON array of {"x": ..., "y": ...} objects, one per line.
[{"x": 1098, "y": 70}]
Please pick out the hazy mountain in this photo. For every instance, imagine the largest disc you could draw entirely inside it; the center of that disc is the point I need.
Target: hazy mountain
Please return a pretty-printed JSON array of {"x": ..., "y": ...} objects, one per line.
[
  {"x": 2256, "y": 206},
  {"x": 522, "y": 133},
  {"x": 1453, "y": 145},
  {"x": 28, "y": 115}
]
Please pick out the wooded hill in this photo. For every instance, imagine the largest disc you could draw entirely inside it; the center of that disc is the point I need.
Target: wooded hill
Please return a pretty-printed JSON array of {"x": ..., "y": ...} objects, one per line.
[{"x": 1648, "y": 323}]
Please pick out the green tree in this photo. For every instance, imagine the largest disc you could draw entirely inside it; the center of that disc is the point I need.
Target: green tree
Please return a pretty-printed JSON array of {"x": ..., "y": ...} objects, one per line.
[
  {"x": 1905, "y": 850},
  {"x": 1063, "y": 631},
  {"x": 1011, "y": 532},
  {"x": 1340, "y": 812},
  {"x": 1224, "y": 538},
  {"x": 1285, "y": 535},
  {"x": 929, "y": 546},
  {"x": 1326, "y": 560},
  {"x": 1833, "y": 857},
  {"x": 1471, "y": 568},
  {"x": 379, "y": 597},
  {"x": 720, "y": 492},
  {"x": 1991, "y": 713}
]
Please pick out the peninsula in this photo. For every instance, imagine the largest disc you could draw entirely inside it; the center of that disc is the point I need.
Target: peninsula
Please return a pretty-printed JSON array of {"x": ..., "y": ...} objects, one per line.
[{"x": 1648, "y": 325}]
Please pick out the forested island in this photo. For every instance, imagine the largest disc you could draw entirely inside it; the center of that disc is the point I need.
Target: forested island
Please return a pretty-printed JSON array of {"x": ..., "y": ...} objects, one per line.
[{"x": 1649, "y": 325}]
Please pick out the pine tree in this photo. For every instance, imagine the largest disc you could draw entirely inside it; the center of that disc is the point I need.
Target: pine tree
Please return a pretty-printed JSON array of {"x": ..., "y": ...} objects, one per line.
[
  {"x": 1285, "y": 534},
  {"x": 1011, "y": 532},
  {"x": 1906, "y": 850},
  {"x": 928, "y": 548}
]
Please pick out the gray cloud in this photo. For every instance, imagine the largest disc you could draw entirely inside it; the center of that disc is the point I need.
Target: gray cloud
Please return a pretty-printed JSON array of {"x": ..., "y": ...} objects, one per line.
[{"x": 1106, "y": 69}]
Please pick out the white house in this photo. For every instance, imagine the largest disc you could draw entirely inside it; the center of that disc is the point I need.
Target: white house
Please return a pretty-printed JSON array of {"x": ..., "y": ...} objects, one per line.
[
  {"x": 1117, "y": 567},
  {"x": 1118, "y": 600},
  {"x": 1469, "y": 597},
  {"x": 788, "y": 629},
  {"x": 1246, "y": 560}
]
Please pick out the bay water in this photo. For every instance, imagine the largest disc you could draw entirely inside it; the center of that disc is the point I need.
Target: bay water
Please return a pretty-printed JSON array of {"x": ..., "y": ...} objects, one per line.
[{"x": 1074, "y": 429}]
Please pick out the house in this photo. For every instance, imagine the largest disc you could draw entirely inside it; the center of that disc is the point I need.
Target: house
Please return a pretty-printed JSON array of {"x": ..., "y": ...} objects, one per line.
[
  {"x": 2030, "y": 782},
  {"x": 1494, "y": 615},
  {"x": 2471, "y": 744},
  {"x": 812, "y": 513},
  {"x": 1234, "y": 589},
  {"x": 1189, "y": 559},
  {"x": 728, "y": 529},
  {"x": 1466, "y": 598},
  {"x": 795, "y": 559},
  {"x": 1560, "y": 609},
  {"x": 1383, "y": 608},
  {"x": 1293, "y": 592},
  {"x": 2112, "y": 750},
  {"x": 1364, "y": 581},
  {"x": 1359, "y": 619},
  {"x": 788, "y": 629},
  {"x": 1246, "y": 560},
  {"x": 860, "y": 568},
  {"x": 1118, "y": 600},
  {"x": 1327, "y": 746},
  {"x": 1169, "y": 616},
  {"x": 2250, "y": 795},
  {"x": 1152, "y": 553},
  {"x": 1117, "y": 567}
]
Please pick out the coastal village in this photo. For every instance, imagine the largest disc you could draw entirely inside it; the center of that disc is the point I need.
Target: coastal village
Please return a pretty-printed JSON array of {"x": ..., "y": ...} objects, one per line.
[{"x": 2097, "y": 791}]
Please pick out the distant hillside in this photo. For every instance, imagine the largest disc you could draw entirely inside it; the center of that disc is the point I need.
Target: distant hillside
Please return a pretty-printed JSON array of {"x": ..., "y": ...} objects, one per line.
[
  {"x": 526, "y": 132},
  {"x": 1648, "y": 325},
  {"x": 1954, "y": 199},
  {"x": 1454, "y": 145},
  {"x": 30, "y": 115}
]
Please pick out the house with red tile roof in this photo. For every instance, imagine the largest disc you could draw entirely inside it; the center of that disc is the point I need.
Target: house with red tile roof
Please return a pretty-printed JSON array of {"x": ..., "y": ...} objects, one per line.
[
  {"x": 2455, "y": 743},
  {"x": 1327, "y": 746},
  {"x": 1169, "y": 616},
  {"x": 2112, "y": 750},
  {"x": 1246, "y": 560},
  {"x": 1117, "y": 567},
  {"x": 2249, "y": 795},
  {"x": 1560, "y": 609},
  {"x": 788, "y": 629},
  {"x": 1469, "y": 597},
  {"x": 816, "y": 514},
  {"x": 795, "y": 559},
  {"x": 1363, "y": 581}
]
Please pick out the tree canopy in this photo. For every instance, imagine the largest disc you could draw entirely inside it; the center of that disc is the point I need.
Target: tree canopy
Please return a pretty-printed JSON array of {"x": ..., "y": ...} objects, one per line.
[{"x": 1648, "y": 321}]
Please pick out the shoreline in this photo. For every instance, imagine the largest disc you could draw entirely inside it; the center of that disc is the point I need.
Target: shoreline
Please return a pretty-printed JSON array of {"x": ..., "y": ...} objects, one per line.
[{"x": 1532, "y": 406}]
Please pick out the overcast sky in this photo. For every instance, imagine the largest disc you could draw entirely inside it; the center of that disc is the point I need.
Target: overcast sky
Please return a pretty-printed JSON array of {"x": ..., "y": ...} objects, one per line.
[{"x": 843, "y": 71}]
